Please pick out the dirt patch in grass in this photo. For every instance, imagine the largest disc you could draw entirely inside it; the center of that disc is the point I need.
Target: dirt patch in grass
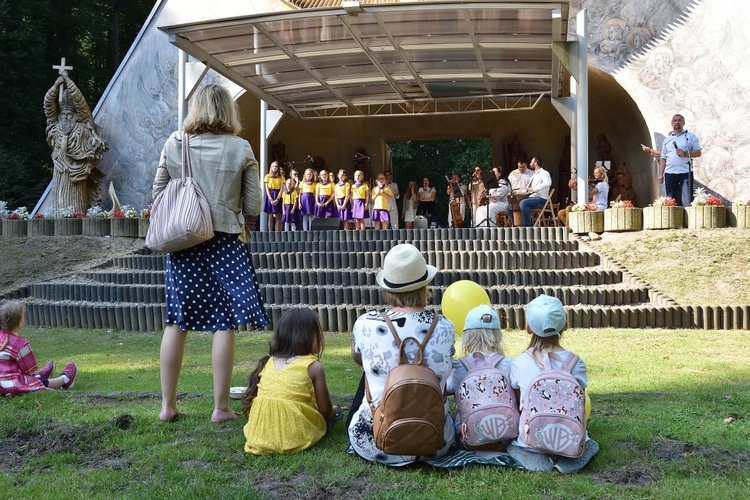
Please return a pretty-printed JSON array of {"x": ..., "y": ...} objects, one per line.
[
  {"x": 56, "y": 437},
  {"x": 303, "y": 485},
  {"x": 677, "y": 456}
]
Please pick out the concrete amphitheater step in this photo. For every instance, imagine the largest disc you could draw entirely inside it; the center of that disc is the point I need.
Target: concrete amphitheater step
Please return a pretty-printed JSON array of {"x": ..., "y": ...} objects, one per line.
[
  {"x": 97, "y": 292},
  {"x": 119, "y": 276},
  {"x": 439, "y": 259},
  {"x": 324, "y": 245},
  {"x": 608, "y": 295}
]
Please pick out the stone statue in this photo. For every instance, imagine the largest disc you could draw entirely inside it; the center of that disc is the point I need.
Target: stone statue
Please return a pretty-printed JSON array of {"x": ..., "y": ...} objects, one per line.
[
  {"x": 77, "y": 146},
  {"x": 621, "y": 184}
]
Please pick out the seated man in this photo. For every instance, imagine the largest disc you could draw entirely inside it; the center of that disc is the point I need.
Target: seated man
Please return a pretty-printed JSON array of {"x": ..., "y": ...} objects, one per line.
[
  {"x": 498, "y": 202},
  {"x": 538, "y": 191}
]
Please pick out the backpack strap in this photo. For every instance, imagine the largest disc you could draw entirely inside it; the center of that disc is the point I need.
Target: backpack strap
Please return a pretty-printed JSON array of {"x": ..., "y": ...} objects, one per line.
[
  {"x": 491, "y": 361},
  {"x": 401, "y": 344}
]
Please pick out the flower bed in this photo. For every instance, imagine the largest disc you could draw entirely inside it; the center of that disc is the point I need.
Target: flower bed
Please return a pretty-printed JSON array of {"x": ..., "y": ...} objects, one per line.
[
  {"x": 739, "y": 216},
  {"x": 586, "y": 221},
  {"x": 706, "y": 216}
]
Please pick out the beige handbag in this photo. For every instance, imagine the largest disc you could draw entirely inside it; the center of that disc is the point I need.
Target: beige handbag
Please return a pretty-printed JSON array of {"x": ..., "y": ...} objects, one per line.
[{"x": 180, "y": 215}]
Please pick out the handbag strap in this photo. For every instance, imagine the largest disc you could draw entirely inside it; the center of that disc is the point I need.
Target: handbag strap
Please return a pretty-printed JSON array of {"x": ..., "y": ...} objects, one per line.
[{"x": 186, "y": 156}]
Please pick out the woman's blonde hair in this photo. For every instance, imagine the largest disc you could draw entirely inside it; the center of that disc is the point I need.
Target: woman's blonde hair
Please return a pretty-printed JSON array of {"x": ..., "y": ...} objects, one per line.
[
  {"x": 414, "y": 298},
  {"x": 213, "y": 110},
  {"x": 11, "y": 315},
  {"x": 482, "y": 339},
  {"x": 602, "y": 171}
]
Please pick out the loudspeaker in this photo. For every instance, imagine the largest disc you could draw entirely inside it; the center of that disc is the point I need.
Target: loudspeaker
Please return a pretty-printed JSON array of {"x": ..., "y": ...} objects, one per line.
[
  {"x": 421, "y": 222},
  {"x": 328, "y": 223}
]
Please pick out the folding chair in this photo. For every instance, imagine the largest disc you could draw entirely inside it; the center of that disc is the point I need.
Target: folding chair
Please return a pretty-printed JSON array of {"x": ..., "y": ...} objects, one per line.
[{"x": 547, "y": 215}]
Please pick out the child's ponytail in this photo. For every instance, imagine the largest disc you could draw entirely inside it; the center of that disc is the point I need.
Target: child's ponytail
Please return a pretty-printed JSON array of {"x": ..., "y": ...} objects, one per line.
[{"x": 252, "y": 385}]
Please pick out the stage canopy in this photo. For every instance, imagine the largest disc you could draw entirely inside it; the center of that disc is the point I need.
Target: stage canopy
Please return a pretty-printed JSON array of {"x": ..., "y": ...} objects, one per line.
[{"x": 361, "y": 59}]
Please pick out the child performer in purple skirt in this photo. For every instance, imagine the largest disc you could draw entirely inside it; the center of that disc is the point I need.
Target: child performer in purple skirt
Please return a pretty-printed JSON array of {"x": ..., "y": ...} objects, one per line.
[
  {"x": 272, "y": 206},
  {"x": 290, "y": 197},
  {"x": 381, "y": 193},
  {"x": 343, "y": 199},
  {"x": 307, "y": 198},
  {"x": 360, "y": 197},
  {"x": 324, "y": 197}
]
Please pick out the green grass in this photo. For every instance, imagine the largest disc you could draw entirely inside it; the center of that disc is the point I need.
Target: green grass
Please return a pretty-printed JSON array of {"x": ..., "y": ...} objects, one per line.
[{"x": 660, "y": 401}]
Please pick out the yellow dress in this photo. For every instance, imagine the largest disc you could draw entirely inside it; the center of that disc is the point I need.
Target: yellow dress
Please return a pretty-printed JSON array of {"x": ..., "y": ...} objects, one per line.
[{"x": 284, "y": 417}]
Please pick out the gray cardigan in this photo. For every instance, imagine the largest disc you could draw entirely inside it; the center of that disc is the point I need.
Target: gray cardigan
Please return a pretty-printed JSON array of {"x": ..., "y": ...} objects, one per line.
[{"x": 224, "y": 167}]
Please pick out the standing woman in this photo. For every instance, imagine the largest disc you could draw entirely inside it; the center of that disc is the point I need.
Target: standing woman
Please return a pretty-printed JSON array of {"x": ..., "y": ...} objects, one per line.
[
  {"x": 211, "y": 287},
  {"x": 273, "y": 181},
  {"x": 427, "y": 195},
  {"x": 411, "y": 200}
]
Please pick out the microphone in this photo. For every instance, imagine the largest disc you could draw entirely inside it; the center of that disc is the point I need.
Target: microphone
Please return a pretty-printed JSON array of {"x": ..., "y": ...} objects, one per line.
[{"x": 675, "y": 146}]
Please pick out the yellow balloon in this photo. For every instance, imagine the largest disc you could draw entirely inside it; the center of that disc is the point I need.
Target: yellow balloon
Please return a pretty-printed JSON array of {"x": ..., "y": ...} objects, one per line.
[
  {"x": 587, "y": 405},
  {"x": 460, "y": 298}
]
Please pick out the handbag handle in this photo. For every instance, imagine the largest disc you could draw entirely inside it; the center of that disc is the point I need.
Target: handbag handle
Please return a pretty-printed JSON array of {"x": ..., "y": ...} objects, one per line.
[{"x": 186, "y": 156}]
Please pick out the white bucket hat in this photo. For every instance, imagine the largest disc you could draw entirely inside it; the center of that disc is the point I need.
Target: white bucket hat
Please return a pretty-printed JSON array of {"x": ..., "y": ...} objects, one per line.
[{"x": 404, "y": 270}]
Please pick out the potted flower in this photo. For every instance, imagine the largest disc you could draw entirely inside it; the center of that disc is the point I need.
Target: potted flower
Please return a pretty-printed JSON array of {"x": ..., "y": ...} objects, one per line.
[
  {"x": 124, "y": 222},
  {"x": 144, "y": 221},
  {"x": 42, "y": 224},
  {"x": 16, "y": 223},
  {"x": 70, "y": 222},
  {"x": 585, "y": 218},
  {"x": 95, "y": 223},
  {"x": 739, "y": 214},
  {"x": 706, "y": 211},
  {"x": 663, "y": 213},
  {"x": 623, "y": 216}
]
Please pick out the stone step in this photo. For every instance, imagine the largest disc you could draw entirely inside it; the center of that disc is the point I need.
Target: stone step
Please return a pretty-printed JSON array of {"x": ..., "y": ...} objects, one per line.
[
  {"x": 439, "y": 259},
  {"x": 428, "y": 245},
  {"x": 366, "y": 277},
  {"x": 441, "y": 234},
  {"x": 335, "y": 318},
  {"x": 618, "y": 295},
  {"x": 97, "y": 292}
]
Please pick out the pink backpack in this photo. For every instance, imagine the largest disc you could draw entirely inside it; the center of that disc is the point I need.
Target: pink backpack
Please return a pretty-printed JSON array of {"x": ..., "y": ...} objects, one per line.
[
  {"x": 553, "y": 409},
  {"x": 487, "y": 404}
]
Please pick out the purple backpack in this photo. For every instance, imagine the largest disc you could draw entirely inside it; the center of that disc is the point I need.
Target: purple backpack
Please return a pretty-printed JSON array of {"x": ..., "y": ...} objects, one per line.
[
  {"x": 487, "y": 404},
  {"x": 553, "y": 409}
]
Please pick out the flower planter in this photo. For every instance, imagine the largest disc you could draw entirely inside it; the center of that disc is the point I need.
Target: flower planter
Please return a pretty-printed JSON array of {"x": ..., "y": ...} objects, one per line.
[
  {"x": 41, "y": 227},
  {"x": 705, "y": 216},
  {"x": 15, "y": 228},
  {"x": 95, "y": 227},
  {"x": 143, "y": 227},
  {"x": 68, "y": 227},
  {"x": 623, "y": 219},
  {"x": 738, "y": 216},
  {"x": 589, "y": 221},
  {"x": 663, "y": 217},
  {"x": 123, "y": 227}
]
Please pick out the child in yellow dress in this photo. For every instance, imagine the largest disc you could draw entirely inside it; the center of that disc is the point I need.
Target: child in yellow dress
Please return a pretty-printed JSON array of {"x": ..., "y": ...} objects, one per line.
[{"x": 287, "y": 401}]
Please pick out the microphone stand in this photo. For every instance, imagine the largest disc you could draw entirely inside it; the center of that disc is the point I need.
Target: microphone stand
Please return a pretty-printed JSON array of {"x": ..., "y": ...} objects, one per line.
[{"x": 690, "y": 168}]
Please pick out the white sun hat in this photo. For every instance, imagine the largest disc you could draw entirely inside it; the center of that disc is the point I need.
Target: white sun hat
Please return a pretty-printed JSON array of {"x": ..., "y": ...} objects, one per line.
[{"x": 404, "y": 270}]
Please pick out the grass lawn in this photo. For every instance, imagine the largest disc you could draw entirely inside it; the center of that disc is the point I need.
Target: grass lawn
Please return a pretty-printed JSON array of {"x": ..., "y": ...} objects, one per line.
[{"x": 670, "y": 411}]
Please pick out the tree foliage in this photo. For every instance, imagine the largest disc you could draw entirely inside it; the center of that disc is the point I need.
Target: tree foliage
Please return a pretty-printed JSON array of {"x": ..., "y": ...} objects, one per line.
[
  {"x": 415, "y": 160},
  {"x": 93, "y": 36}
]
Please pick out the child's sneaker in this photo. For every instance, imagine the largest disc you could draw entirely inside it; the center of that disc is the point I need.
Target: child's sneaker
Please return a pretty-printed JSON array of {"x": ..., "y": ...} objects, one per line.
[
  {"x": 47, "y": 370},
  {"x": 69, "y": 371}
]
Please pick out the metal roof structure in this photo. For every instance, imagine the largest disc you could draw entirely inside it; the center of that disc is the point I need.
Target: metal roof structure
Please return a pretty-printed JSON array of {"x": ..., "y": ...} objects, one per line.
[{"x": 372, "y": 59}]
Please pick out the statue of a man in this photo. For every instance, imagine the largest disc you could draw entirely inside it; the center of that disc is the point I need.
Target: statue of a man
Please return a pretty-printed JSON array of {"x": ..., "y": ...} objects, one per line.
[{"x": 77, "y": 146}]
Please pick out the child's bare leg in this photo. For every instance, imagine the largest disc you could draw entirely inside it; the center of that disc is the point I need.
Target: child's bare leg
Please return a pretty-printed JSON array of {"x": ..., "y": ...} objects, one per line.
[{"x": 170, "y": 360}]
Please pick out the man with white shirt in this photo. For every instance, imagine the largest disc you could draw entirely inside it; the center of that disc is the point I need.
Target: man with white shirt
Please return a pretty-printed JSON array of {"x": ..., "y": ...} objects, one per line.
[
  {"x": 392, "y": 206},
  {"x": 675, "y": 163},
  {"x": 538, "y": 190},
  {"x": 520, "y": 178}
]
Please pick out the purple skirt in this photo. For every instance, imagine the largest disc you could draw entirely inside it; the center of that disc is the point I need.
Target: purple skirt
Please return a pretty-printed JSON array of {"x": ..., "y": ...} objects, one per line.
[
  {"x": 359, "y": 209},
  {"x": 346, "y": 212},
  {"x": 326, "y": 211},
  {"x": 379, "y": 215},
  {"x": 288, "y": 216},
  {"x": 307, "y": 204},
  {"x": 268, "y": 207}
]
